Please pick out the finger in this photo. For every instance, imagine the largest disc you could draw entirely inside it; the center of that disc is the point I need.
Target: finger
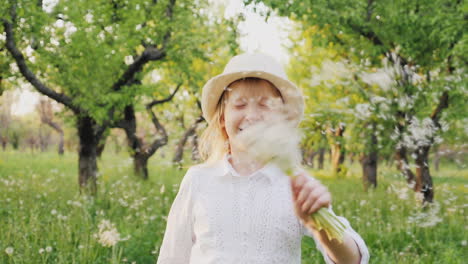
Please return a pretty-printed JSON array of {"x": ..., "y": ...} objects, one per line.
[
  {"x": 296, "y": 191},
  {"x": 306, "y": 189},
  {"x": 317, "y": 192},
  {"x": 294, "y": 194},
  {"x": 308, "y": 202},
  {"x": 299, "y": 181},
  {"x": 323, "y": 201}
]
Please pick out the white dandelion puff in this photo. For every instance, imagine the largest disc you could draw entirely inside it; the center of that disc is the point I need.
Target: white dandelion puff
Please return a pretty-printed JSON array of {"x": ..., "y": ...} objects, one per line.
[
  {"x": 276, "y": 140},
  {"x": 9, "y": 251},
  {"x": 107, "y": 235}
]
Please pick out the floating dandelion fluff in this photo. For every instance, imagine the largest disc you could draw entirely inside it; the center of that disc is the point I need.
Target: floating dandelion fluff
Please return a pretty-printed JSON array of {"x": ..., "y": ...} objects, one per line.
[
  {"x": 107, "y": 235},
  {"x": 276, "y": 140},
  {"x": 272, "y": 141}
]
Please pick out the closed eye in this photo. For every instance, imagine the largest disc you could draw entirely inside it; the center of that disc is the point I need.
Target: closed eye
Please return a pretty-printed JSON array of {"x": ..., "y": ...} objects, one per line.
[
  {"x": 240, "y": 106},
  {"x": 264, "y": 104}
]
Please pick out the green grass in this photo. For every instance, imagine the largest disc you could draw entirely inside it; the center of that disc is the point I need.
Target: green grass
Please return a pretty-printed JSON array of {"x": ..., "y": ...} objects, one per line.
[{"x": 40, "y": 207}]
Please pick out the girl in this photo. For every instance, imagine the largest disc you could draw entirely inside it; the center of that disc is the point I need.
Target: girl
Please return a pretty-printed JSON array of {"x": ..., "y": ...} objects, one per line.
[{"x": 232, "y": 209}]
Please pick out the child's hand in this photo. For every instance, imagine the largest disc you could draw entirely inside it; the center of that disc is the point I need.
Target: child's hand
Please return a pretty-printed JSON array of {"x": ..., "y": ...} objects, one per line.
[{"x": 309, "y": 195}]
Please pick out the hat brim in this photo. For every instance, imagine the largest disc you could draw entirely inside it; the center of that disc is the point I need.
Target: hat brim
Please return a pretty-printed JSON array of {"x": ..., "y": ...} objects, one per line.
[{"x": 214, "y": 88}]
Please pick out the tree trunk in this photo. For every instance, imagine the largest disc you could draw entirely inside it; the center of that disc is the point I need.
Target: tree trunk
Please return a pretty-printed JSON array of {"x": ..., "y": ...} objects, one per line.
[
  {"x": 100, "y": 149},
  {"x": 436, "y": 160},
  {"x": 141, "y": 153},
  {"x": 195, "y": 153},
  {"x": 42, "y": 139},
  {"x": 423, "y": 176},
  {"x": 369, "y": 161},
  {"x": 403, "y": 166},
  {"x": 134, "y": 143},
  {"x": 321, "y": 158},
  {"x": 338, "y": 155},
  {"x": 310, "y": 158},
  {"x": 46, "y": 118},
  {"x": 101, "y": 146},
  {"x": 369, "y": 169},
  {"x": 87, "y": 154},
  {"x": 338, "y": 151},
  {"x": 140, "y": 165},
  {"x": 61, "y": 144},
  {"x": 179, "y": 152}
]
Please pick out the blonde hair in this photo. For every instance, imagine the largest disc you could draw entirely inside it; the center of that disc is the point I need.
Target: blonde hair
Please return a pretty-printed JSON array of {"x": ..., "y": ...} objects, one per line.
[{"x": 214, "y": 142}]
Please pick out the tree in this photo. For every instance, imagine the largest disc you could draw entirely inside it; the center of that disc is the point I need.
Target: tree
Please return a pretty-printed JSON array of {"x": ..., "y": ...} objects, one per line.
[
  {"x": 202, "y": 71},
  {"x": 46, "y": 113},
  {"x": 6, "y": 100},
  {"x": 141, "y": 152},
  {"x": 418, "y": 37},
  {"x": 91, "y": 56},
  {"x": 190, "y": 132}
]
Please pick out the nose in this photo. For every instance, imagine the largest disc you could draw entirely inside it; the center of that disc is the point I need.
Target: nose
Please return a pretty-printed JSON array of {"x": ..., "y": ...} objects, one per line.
[{"x": 253, "y": 114}]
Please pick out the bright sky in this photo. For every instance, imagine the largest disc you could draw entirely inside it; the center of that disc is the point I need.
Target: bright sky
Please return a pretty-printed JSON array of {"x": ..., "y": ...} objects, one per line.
[
  {"x": 256, "y": 35},
  {"x": 27, "y": 100}
]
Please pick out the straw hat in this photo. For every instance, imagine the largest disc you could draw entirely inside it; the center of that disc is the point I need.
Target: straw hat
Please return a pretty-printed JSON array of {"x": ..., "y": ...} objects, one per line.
[{"x": 252, "y": 65}]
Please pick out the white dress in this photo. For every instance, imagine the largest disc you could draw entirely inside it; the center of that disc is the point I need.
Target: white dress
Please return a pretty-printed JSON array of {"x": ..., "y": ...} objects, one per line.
[{"x": 220, "y": 217}]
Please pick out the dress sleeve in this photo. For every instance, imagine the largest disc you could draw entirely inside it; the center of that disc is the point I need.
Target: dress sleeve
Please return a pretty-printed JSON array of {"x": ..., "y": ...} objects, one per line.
[
  {"x": 179, "y": 236},
  {"x": 350, "y": 231}
]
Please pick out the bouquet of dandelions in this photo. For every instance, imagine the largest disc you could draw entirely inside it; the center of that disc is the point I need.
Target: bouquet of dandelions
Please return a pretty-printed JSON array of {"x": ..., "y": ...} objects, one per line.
[{"x": 277, "y": 141}]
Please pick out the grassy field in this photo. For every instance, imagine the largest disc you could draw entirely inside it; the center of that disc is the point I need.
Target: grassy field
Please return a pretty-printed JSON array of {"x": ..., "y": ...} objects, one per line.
[{"x": 43, "y": 219}]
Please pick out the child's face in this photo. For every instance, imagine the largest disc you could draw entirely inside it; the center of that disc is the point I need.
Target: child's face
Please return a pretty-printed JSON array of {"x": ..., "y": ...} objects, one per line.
[{"x": 248, "y": 103}]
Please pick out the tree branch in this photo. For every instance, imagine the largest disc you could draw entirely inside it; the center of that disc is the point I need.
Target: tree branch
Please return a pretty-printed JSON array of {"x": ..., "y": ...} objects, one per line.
[
  {"x": 369, "y": 34},
  {"x": 29, "y": 75},
  {"x": 151, "y": 53},
  {"x": 443, "y": 103},
  {"x": 160, "y": 129},
  {"x": 167, "y": 99},
  {"x": 188, "y": 133},
  {"x": 199, "y": 105},
  {"x": 369, "y": 10}
]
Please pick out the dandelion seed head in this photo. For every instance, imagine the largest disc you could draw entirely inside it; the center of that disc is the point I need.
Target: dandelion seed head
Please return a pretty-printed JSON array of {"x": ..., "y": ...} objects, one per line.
[
  {"x": 273, "y": 140},
  {"x": 107, "y": 235},
  {"x": 9, "y": 251}
]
